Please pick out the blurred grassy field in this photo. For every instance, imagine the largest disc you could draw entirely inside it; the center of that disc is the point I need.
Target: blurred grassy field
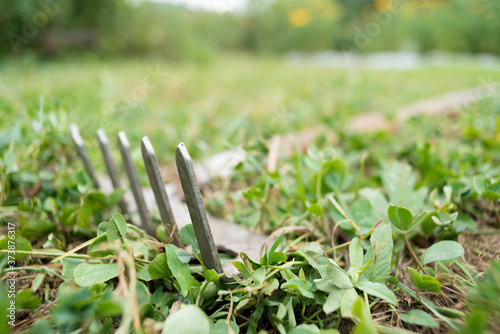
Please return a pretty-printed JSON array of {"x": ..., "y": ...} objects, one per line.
[{"x": 232, "y": 99}]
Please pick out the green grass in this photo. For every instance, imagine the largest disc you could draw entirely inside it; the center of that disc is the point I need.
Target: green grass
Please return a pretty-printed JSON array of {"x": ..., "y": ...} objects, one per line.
[
  {"x": 353, "y": 265},
  {"x": 233, "y": 99}
]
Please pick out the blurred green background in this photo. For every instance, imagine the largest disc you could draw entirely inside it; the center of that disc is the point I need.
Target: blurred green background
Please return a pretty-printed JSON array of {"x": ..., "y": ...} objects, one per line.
[
  {"x": 222, "y": 75},
  {"x": 53, "y": 28}
]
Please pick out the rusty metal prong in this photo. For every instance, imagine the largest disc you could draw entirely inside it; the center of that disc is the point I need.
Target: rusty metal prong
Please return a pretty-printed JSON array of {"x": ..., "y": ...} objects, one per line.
[
  {"x": 161, "y": 196},
  {"x": 128, "y": 163},
  {"x": 82, "y": 153},
  {"x": 111, "y": 166},
  {"x": 194, "y": 202}
]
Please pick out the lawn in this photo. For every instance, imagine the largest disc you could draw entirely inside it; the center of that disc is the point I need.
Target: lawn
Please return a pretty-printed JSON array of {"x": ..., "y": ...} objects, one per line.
[
  {"x": 380, "y": 231},
  {"x": 234, "y": 98}
]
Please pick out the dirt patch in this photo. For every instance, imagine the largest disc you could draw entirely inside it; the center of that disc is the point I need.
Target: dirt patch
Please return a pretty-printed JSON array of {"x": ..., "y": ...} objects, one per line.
[{"x": 481, "y": 249}]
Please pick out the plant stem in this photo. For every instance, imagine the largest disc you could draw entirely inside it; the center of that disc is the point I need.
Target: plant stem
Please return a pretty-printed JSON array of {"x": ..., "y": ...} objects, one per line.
[
  {"x": 202, "y": 289},
  {"x": 342, "y": 212},
  {"x": 37, "y": 269},
  {"x": 415, "y": 258},
  {"x": 77, "y": 256},
  {"x": 346, "y": 244}
]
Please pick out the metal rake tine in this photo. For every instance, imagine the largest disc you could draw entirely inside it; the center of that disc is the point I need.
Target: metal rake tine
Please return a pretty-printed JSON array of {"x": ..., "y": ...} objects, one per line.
[
  {"x": 111, "y": 166},
  {"x": 133, "y": 179},
  {"x": 161, "y": 196},
  {"x": 82, "y": 153},
  {"x": 192, "y": 194}
]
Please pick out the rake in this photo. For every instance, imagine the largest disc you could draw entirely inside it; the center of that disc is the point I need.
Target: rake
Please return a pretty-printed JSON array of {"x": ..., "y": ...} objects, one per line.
[{"x": 211, "y": 232}]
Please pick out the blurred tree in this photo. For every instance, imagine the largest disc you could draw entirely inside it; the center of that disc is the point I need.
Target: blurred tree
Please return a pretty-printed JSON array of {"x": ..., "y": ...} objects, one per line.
[{"x": 136, "y": 28}]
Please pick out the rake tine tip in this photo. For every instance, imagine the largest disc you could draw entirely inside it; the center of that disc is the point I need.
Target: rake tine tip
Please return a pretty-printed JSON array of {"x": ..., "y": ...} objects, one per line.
[
  {"x": 181, "y": 151},
  {"x": 75, "y": 134},
  {"x": 101, "y": 134},
  {"x": 122, "y": 136},
  {"x": 146, "y": 146}
]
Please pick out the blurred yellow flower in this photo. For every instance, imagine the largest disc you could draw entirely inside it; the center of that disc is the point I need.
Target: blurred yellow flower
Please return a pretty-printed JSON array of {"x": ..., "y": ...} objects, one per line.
[
  {"x": 382, "y": 5},
  {"x": 299, "y": 17}
]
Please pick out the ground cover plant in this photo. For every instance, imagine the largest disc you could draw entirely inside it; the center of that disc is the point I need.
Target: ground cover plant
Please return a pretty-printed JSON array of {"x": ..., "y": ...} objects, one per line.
[{"x": 374, "y": 232}]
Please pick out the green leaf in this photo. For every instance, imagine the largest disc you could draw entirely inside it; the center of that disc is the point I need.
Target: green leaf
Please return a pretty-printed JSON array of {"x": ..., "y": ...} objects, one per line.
[
  {"x": 144, "y": 275},
  {"x": 400, "y": 182},
  {"x": 142, "y": 294},
  {"x": 335, "y": 173},
  {"x": 188, "y": 320},
  {"x": 315, "y": 209},
  {"x": 259, "y": 277},
  {"x": 25, "y": 299},
  {"x": 21, "y": 206},
  {"x": 117, "y": 229},
  {"x": 99, "y": 246},
  {"x": 108, "y": 309},
  {"x": 377, "y": 200},
  {"x": 362, "y": 214},
  {"x": 338, "y": 275},
  {"x": 347, "y": 302},
  {"x": 428, "y": 304},
  {"x": 301, "y": 286},
  {"x": 89, "y": 274},
  {"x": 277, "y": 257},
  {"x": 330, "y": 285},
  {"x": 267, "y": 259},
  {"x": 69, "y": 266},
  {"x": 380, "y": 252},
  {"x": 355, "y": 259},
  {"x": 365, "y": 324},
  {"x": 189, "y": 237},
  {"x": 254, "y": 319},
  {"x": 313, "y": 260},
  {"x": 400, "y": 217},
  {"x": 15, "y": 243},
  {"x": 420, "y": 318},
  {"x": 441, "y": 251},
  {"x": 246, "y": 272},
  {"x": 115, "y": 197},
  {"x": 420, "y": 219},
  {"x": 180, "y": 270},
  {"x": 37, "y": 226},
  {"x": 220, "y": 327},
  {"x": 479, "y": 184},
  {"x": 310, "y": 329},
  {"x": 158, "y": 268},
  {"x": 102, "y": 227},
  {"x": 254, "y": 193},
  {"x": 276, "y": 244},
  {"x": 50, "y": 205},
  {"x": 37, "y": 282},
  {"x": 40, "y": 326},
  {"x": 378, "y": 290},
  {"x": 212, "y": 276},
  {"x": 332, "y": 303},
  {"x": 415, "y": 277},
  {"x": 492, "y": 193},
  {"x": 424, "y": 282},
  {"x": 271, "y": 287},
  {"x": 463, "y": 222},
  {"x": 182, "y": 255}
]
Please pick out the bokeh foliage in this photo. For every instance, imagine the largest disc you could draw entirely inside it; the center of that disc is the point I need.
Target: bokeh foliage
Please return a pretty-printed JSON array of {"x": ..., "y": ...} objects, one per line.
[{"x": 119, "y": 27}]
